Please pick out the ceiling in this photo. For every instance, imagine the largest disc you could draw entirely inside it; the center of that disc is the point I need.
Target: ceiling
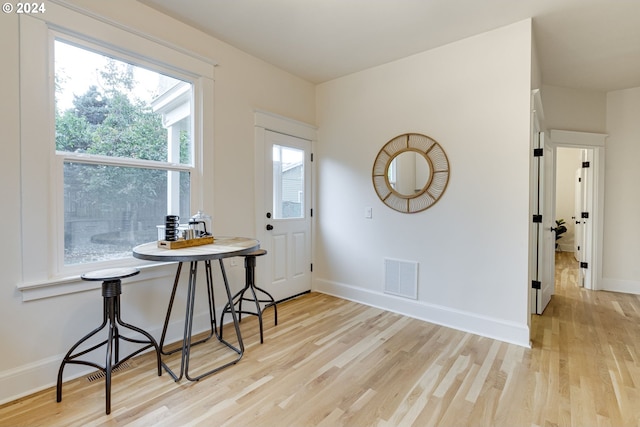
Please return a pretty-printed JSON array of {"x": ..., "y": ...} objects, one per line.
[{"x": 583, "y": 44}]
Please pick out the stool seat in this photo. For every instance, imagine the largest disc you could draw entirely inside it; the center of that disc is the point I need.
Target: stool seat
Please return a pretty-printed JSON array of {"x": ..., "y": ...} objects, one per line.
[
  {"x": 250, "y": 286},
  {"x": 111, "y": 290},
  {"x": 257, "y": 252},
  {"x": 110, "y": 274}
]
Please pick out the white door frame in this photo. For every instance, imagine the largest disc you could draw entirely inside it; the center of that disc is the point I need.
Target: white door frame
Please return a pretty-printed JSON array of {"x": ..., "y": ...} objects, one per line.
[
  {"x": 594, "y": 142},
  {"x": 264, "y": 121}
]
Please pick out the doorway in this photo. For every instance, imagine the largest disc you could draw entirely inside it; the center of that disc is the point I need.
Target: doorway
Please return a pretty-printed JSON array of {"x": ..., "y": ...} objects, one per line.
[
  {"x": 284, "y": 203},
  {"x": 287, "y": 215},
  {"x": 543, "y": 199},
  {"x": 574, "y": 206},
  {"x": 584, "y": 210}
]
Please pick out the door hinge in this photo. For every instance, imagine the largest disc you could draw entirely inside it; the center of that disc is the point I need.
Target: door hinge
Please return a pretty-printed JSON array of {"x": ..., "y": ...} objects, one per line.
[
  {"x": 311, "y": 212},
  {"x": 584, "y": 265},
  {"x": 311, "y": 267},
  {"x": 584, "y": 215},
  {"x": 537, "y": 219},
  {"x": 586, "y": 164},
  {"x": 538, "y": 152},
  {"x": 536, "y": 284},
  {"x": 312, "y": 157}
]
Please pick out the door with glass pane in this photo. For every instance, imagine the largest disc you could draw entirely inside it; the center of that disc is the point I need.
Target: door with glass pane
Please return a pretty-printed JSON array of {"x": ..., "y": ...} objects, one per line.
[{"x": 287, "y": 216}]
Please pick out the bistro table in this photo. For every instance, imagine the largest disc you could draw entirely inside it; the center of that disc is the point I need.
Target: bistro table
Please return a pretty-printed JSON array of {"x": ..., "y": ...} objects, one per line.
[{"x": 222, "y": 247}]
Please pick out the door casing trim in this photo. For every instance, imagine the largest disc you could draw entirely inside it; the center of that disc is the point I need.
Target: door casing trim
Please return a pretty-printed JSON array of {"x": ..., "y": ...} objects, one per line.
[{"x": 267, "y": 121}]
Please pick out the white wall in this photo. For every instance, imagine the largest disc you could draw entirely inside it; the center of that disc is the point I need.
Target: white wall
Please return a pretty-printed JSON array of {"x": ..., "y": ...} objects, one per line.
[
  {"x": 621, "y": 262},
  {"x": 36, "y": 334},
  {"x": 473, "y": 97},
  {"x": 574, "y": 109}
]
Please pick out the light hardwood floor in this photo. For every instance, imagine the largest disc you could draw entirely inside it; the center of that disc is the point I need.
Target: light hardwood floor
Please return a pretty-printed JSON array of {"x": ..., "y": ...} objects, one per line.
[{"x": 331, "y": 362}]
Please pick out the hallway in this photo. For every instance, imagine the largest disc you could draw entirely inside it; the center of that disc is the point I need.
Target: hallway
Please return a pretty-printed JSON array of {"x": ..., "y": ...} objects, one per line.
[
  {"x": 589, "y": 343},
  {"x": 566, "y": 271}
]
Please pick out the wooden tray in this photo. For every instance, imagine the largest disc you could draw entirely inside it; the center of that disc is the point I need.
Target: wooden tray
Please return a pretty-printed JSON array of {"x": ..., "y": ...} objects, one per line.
[{"x": 182, "y": 243}]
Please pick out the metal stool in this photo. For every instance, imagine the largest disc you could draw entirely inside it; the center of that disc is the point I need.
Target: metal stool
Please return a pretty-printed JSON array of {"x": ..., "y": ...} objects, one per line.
[
  {"x": 111, "y": 290},
  {"x": 249, "y": 285}
]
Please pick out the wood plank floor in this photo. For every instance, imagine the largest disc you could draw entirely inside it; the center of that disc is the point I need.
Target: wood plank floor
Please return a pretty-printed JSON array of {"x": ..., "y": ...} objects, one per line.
[{"x": 331, "y": 362}]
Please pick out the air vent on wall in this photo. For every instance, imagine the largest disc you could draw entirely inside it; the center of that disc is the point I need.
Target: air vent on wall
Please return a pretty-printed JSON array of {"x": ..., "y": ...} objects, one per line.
[{"x": 401, "y": 278}]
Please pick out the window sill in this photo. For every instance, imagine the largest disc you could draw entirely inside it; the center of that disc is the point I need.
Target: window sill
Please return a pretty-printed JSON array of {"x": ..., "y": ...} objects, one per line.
[{"x": 70, "y": 285}]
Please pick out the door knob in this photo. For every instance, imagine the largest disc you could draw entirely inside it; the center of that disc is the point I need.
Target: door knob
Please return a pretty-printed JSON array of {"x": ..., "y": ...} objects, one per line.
[{"x": 269, "y": 227}]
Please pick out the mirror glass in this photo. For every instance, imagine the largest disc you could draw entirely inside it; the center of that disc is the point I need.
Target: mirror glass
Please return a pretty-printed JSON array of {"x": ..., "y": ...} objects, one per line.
[{"x": 409, "y": 173}]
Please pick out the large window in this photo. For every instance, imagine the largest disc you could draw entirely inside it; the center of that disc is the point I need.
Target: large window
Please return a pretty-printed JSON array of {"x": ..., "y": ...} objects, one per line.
[
  {"x": 113, "y": 135},
  {"x": 123, "y": 135}
]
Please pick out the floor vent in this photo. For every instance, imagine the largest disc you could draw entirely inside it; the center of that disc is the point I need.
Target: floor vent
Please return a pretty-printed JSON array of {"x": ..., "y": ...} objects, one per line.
[
  {"x": 401, "y": 278},
  {"x": 100, "y": 374}
]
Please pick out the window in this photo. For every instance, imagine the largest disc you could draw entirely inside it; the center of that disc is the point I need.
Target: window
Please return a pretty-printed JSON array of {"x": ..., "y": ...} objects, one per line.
[
  {"x": 123, "y": 137},
  {"x": 288, "y": 182},
  {"x": 112, "y": 139}
]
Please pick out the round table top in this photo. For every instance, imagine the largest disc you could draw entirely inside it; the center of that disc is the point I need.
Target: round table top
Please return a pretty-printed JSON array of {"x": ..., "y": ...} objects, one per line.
[{"x": 222, "y": 247}]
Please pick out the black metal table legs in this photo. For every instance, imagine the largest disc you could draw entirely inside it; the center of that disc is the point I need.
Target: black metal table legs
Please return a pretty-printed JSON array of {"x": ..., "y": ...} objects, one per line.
[{"x": 185, "y": 348}]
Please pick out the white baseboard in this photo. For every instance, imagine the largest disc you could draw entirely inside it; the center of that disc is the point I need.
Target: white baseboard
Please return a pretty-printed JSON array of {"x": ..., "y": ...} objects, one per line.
[
  {"x": 27, "y": 379},
  {"x": 619, "y": 285},
  {"x": 43, "y": 374},
  {"x": 498, "y": 329}
]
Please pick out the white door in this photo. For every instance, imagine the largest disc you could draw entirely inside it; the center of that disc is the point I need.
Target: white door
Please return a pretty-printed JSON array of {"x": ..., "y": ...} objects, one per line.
[
  {"x": 287, "y": 215},
  {"x": 586, "y": 219},
  {"x": 542, "y": 262},
  {"x": 543, "y": 273},
  {"x": 548, "y": 252},
  {"x": 578, "y": 230}
]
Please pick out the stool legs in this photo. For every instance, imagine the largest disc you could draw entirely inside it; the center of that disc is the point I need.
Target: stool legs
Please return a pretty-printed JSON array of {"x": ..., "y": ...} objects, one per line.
[
  {"x": 238, "y": 298},
  {"x": 111, "y": 291}
]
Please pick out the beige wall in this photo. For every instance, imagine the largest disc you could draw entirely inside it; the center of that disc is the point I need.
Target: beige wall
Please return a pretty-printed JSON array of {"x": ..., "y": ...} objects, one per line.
[
  {"x": 473, "y": 97},
  {"x": 621, "y": 263},
  {"x": 574, "y": 109},
  {"x": 38, "y": 333}
]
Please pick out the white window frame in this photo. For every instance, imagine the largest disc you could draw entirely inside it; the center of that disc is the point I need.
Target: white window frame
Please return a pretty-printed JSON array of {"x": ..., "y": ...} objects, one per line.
[{"x": 43, "y": 274}]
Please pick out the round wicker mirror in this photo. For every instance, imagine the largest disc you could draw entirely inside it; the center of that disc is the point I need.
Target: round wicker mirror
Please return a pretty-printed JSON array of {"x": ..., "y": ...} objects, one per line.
[{"x": 410, "y": 173}]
